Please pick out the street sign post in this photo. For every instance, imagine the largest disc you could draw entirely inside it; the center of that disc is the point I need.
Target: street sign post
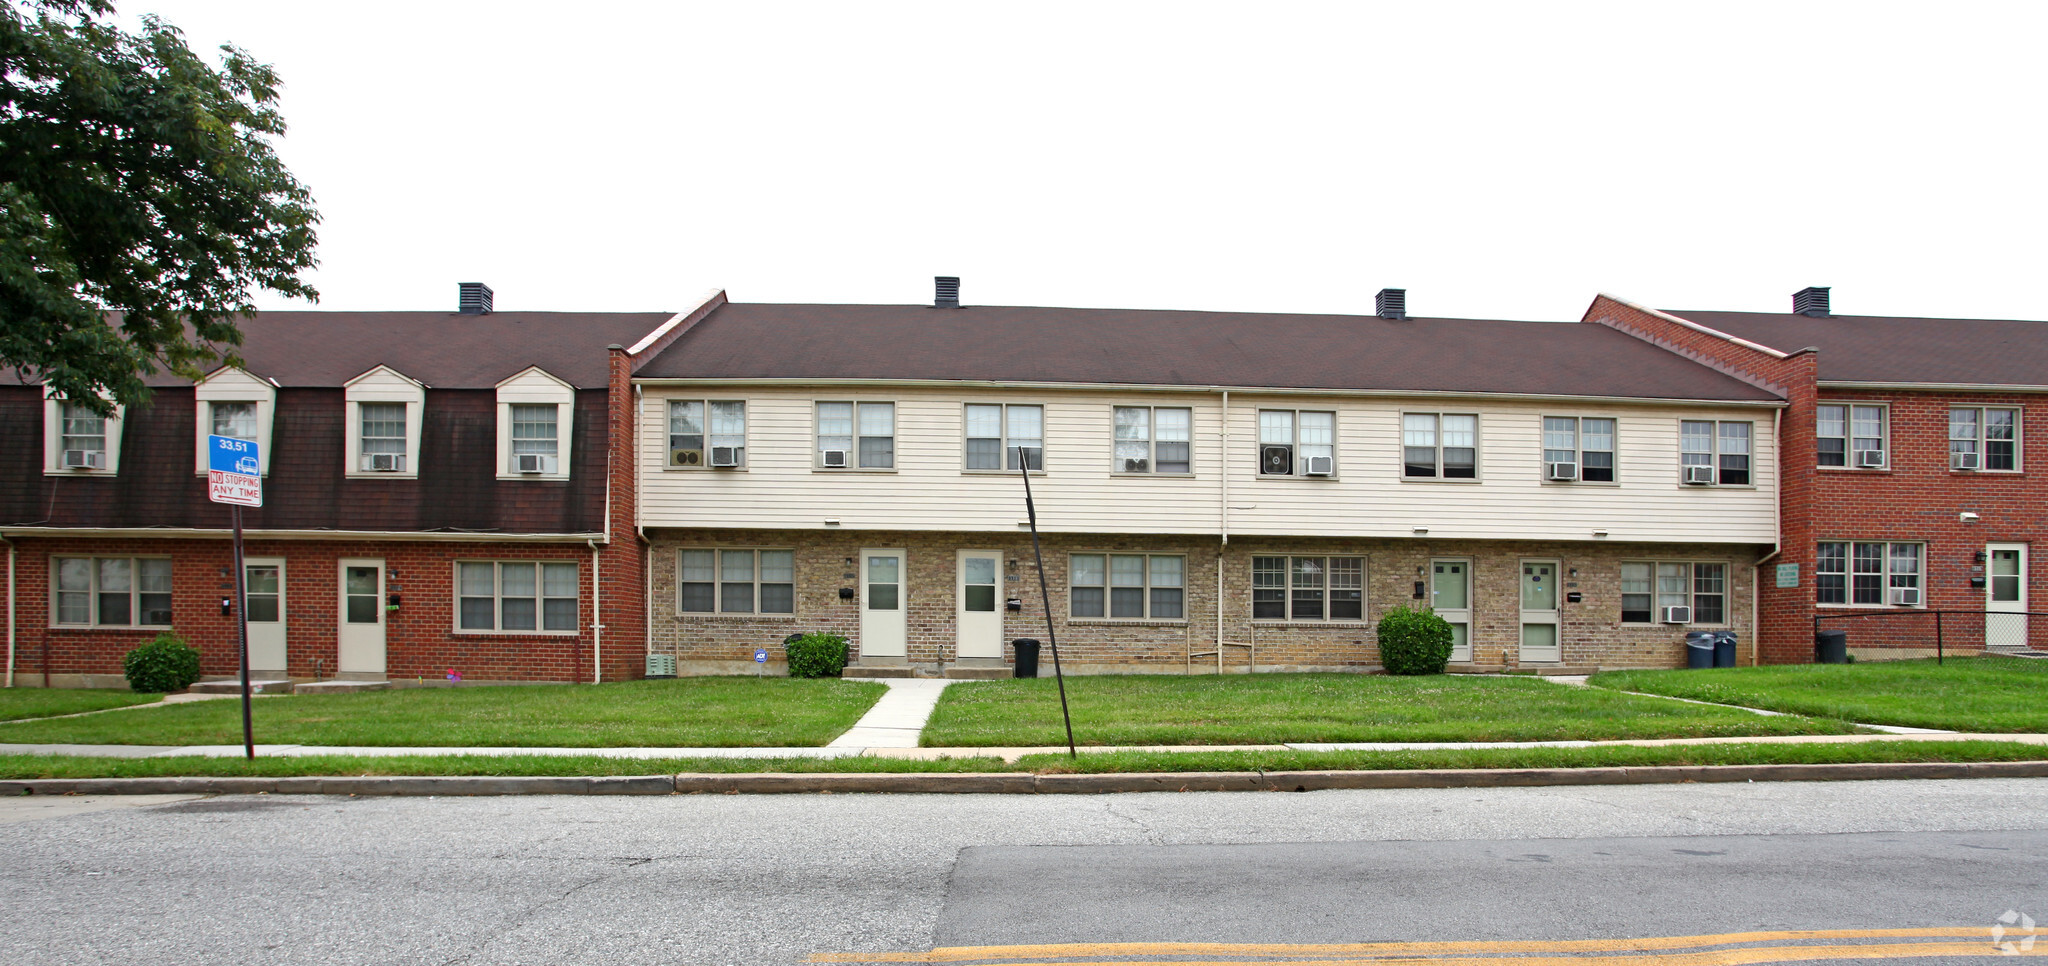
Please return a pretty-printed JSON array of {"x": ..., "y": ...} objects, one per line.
[{"x": 234, "y": 475}]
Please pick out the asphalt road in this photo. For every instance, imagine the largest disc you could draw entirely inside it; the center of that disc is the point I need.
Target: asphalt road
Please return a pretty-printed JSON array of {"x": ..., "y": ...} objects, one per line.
[{"x": 780, "y": 879}]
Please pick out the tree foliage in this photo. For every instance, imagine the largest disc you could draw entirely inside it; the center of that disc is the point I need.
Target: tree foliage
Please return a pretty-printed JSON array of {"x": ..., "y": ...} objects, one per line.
[{"x": 141, "y": 203}]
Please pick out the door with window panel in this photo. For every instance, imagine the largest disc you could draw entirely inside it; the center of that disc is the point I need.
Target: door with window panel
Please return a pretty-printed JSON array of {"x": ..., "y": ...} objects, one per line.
[
  {"x": 1450, "y": 595},
  {"x": 884, "y": 624},
  {"x": 978, "y": 605},
  {"x": 1539, "y": 612},
  {"x": 360, "y": 643},
  {"x": 2005, "y": 595},
  {"x": 264, "y": 609}
]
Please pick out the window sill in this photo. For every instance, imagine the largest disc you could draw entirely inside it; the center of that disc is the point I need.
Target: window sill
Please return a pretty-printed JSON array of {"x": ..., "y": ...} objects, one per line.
[
  {"x": 1885, "y": 469},
  {"x": 1441, "y": 479},
  {"x": 966, "y": 472},
  {"x": 1956, "y": 472},
  {"x": 357, "y": 475},
  {"x": 704, "y": 469},
  {"x": 688, "y": 617},
  {"x": 1653, "y": 625},
  {"x": 1875, "y": 607},
  {"x": 1355, "y": 625},
  {"x": 1570, "y": 483},
  {"x": 1154, "y": 476},
  {"x": 59, "y": 471},
  {"x": 855, "y": 470},
  {"x": 137, "y": 628},
  {"x": 1296, "y": 476},
  {"x": 473, "y": 632},
  {"x": 1126, "y": 622},
  {"x": 1716, "y": 486},
  {"x": 535, "y": 477}
]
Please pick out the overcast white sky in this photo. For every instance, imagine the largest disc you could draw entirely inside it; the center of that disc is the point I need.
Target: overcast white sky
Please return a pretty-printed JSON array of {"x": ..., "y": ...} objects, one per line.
[{"x": 1498, "y": 160}]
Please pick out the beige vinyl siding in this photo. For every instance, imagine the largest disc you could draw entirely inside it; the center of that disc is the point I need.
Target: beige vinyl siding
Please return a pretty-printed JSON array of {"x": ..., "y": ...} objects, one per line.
[{"x": 1079, "y": 493}]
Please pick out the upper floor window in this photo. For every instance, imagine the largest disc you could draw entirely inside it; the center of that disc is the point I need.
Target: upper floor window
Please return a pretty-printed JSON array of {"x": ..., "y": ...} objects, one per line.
[
  {"x": 517, "y": 596},
  {"x": 1297, "y": 443},
  {"x": 857, "y": 435},
  {"x": 1851, "y": 435},
  {"x": 536, "y": 413},
  {"x": 1134, "y": 586},
  {"x": 1308, "y": 588},
  {"x": 237, "y": 405},
  {"x": 1440, "y": 445},
  {"x": 536, "y": 446},
  {"x": 1153, "y": 439},
  {"x": 1578, "y": 449},
  {"x": 1983, "y": 439},
  {"x": 77, "y": 440},
  {"x": 695, "y": 425},
  {"x": 85, "y": 438},
  {"x": 382, "y": 434},
  {"x": 1649, "y": 591},
  {"x": 385, "y": 412},
  {"x": 998, "y": 433},
  {"x": 114, "y": 591},
  {"x": 1714, "y": 452},
  {"x": 736, "y": 581},
  {"x": 1872, "y": 572}
]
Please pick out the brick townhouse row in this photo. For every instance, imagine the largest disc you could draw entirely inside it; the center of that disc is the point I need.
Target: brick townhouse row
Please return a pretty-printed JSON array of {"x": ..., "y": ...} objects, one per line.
[{"x": 527, "y": 496}]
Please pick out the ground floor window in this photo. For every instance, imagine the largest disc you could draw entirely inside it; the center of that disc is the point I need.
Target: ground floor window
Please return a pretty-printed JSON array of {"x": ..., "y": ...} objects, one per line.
[
  {"x": 517, "y": 596},
  {"x": 114, "y": 591},
  {"x": 1127, "y": 585},
  {"x": 736, "y": 581},
  {"x": 1648, "y": 587},
  {"x": 1308, "y": 588},
  {"x": 1868, "y": 572}
]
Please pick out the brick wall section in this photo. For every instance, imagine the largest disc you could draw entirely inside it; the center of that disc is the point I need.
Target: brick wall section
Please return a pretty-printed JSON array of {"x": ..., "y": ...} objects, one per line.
[
  {"x": 1786, "y": 614},
  {"x": 622, "y": 606},
  {"x": 828, "y": 561}
]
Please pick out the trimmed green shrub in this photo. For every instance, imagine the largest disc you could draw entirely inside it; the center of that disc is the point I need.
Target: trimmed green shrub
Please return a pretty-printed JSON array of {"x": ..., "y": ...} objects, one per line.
[
  {"x": 816, "y": 655},
  {"x": 1414, "y": 641},
  {"x": 162, "y": 665}
]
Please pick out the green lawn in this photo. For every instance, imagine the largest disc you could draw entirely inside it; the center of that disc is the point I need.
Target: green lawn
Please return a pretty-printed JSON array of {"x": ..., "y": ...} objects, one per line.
[
  {"x": 1985, "y": 694},
  {"x": 1274, "y": 708},
  {"x": 684, "y": 713},
  {"x": 18, "y": 703}
]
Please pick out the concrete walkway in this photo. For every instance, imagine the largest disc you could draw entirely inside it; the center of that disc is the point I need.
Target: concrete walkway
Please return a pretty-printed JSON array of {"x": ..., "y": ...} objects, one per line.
[{"x": 898, "y": 719}]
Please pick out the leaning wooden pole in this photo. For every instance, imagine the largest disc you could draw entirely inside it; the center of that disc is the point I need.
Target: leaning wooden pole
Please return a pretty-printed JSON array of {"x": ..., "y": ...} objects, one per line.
[{"x": 1045, "y": 597}]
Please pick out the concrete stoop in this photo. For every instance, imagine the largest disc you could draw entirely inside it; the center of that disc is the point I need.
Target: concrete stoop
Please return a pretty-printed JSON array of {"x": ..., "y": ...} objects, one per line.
[
  {"x": 340, "y": 687},
  {"x": 969, "y": 672},
  {"x": 234, "y": 686},
  {"x": 880, "y": 671},
  {"x": 1557, "y": 670}
]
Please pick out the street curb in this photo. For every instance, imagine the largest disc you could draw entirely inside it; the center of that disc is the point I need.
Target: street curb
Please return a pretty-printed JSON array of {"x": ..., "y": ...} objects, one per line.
[{"x": 1020, "y": 783}]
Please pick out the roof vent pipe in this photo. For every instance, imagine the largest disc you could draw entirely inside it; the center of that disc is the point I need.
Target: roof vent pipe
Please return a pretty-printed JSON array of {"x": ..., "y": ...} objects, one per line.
[
  {"x": 474, "y": 300},
  {"x": 1811, "y": 300},
  {"x": 948, "y": 292},
  {"x": 1391, "y": 303}
]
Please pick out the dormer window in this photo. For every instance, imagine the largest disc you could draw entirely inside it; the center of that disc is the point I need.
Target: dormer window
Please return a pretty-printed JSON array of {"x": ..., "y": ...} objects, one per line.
[
  {"x": 78, "y": 441},
  {"x": 85, "y": 438},
  {"x": 535, "y": 413},
  {"x": 383, "y": 436},
  {"x": 385, "y": 408},
  {"x": 236, "y": 404}
]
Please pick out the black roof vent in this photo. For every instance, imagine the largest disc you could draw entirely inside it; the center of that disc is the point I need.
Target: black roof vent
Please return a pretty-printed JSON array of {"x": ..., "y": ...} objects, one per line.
[
  {"x": 474, "y": 300},
  {"x": 1391, "y": 303},
  {"x": 1811, "y": 300},
  {"x": 948, "y": 292}
]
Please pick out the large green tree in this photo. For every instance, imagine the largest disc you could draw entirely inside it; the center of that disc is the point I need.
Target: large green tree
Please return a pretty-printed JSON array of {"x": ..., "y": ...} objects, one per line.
[{"x": 141, "y": 202}]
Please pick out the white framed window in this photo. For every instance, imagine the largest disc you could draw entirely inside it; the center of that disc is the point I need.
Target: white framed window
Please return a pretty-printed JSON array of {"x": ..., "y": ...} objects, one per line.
[
  {"x": 707, "y": 433},
  {"x": 1308, "y": 588},
  {"x": 112, "y": 591},
  {"x": 236, "y": 404},
  {"x": 856, "y": 436},
  {"x": 385, "y": 409},
  {"x": 1439, "y": 446},
  {"x": 1854, "y": 435},
  {"x": 1129, "y": 586},
  {"x": 1152, "y": 440},
  {"x": 1984, "y": 438},
  {"x": 1869, "y": 573},
  {"x": 735, "y": 581},
  {"x": 1650, "y": 586},
  {"x": 78, "y": 441},
  {"x": 516, "y": 596},
  {"x": 536, "y": 412},
  {"x": 1714, "y": 453},
  {"x": 1578, "y": 448},
  {"x": 998, "y": 432},
  {"x": 1297, "y": 442}
]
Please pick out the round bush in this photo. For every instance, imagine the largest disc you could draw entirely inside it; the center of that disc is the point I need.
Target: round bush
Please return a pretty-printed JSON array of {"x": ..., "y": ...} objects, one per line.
[
  {"x": 816, "y": 655},
  {"x": 1414, "y": 641},
  {"x": 162, "y": 665}
]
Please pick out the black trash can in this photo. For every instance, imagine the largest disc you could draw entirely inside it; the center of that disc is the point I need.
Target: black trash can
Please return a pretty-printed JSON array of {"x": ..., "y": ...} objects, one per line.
[
  {"x": 1724, "y": 648},
  {"x": 1831, "y": 647},
  {"x": 1699, "y": 649},
  {"x": 1027, "y": 657}
]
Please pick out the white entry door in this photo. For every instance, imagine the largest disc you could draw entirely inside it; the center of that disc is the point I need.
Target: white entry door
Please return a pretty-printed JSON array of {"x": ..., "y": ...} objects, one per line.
[
  {"x": 2005, "y": 595},
  {"x": 265, "y": 610},
  {"x": 979, "y": 597},
  {"x": 1450, "y": 595},
  {"x": 361, "y": 641},
  {"x": 883, "y": 624},
  {"x": 1539, "y": 611}
]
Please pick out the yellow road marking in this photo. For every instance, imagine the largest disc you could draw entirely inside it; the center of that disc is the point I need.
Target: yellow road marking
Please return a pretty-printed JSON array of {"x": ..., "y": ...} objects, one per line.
[{"x": 1387, "y": 953}]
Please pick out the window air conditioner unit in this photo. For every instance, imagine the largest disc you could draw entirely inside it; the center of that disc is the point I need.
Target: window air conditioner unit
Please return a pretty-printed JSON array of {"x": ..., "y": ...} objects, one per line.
[
  {"x": 1276, "y": 460},
  {"x": 1137, "y": 466},
  {"x": 1562, "y": 471},
  {"x": 1963, "y": 461},
  {"x": 686, "y": 457},
  {"x": 84, "y": 459},
  {"x": 1320, "y": 466},
  {"x": 725, "y": 456},
  {"x": 532, "y": 463},
  {"x": 1677, "y": 615},
  {"x": 833, "y": 459},
  {"x": 1870, "y": 458},
  {"x": 386, "y": 462},
  {"x": 1699, "y": 475},
  {"x": 1906, "y": 596}
]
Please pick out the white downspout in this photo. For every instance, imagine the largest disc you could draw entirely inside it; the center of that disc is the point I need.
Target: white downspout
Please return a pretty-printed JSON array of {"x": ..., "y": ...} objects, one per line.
[
  {"x": 1756, "y": 602},
  {"x": 10, "y": 612},
  {"x": 596, "y": 619}
]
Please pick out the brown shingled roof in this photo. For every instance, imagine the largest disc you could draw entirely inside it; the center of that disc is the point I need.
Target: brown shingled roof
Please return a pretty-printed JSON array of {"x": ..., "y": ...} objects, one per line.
[
  {"x": 1169, "y": 348},
  {"x": 1867, "y": 348}
]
